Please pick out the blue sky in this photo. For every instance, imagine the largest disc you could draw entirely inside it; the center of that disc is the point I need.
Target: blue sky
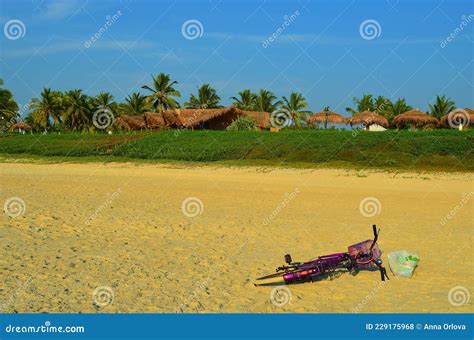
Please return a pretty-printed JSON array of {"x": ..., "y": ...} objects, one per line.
[{"x": 320, "y": 52}]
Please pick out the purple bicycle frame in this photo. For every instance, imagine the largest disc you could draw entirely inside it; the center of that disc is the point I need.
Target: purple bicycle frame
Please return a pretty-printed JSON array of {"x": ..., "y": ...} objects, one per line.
[{"x": 315, "y": 267}]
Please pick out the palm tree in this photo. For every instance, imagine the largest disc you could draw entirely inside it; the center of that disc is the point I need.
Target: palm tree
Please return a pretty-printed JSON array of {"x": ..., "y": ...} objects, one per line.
[
  {"x": 246, "y": 100},
  {"x": 380, "y": 104},
  {"x": 265, "y": 101},
  {"x": 394, "y": 109},
  {"x": 78, "y": 110},
  {"x": 30, "y": 120},
  {"x": 366, "y": 103},
  {"x": 442, "y": 107},
  {"x": 295, "y": 105},
  {"x": 135, "y": 104},
  {"x": 207, "y": 98},
  {"x": 48, "y": 106},
  {"x": 104, "y": 100},
  {"x": 163, "y": 92},
  {"x": 326, "y": 111},
  {"x": 8, "y": 108}
]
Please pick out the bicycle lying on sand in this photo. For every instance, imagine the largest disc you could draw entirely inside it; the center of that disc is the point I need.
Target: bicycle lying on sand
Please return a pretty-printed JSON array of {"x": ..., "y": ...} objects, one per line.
[{"x": 362, "y": 255}]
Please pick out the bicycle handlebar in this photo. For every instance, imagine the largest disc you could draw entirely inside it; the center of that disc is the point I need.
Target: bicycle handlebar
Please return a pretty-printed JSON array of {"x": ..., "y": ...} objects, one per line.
[{"x": 376, "y": 236}]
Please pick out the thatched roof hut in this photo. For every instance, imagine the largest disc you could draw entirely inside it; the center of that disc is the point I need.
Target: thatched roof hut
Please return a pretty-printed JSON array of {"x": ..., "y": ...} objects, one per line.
[
  {"x": 21, "y": 126},
  {"x": 367, "y": 118},
  {"x": 320, "y": 118},
  {"x": 457, "y": 117},
  {"x": 414, "y": 117},
  {"x": 212, "y": 118},
  {"x": 130, "y": 122},
  {"x": 191, "y": 118}
]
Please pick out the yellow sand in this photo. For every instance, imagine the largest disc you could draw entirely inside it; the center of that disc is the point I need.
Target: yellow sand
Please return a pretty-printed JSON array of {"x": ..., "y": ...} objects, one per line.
[{"x": 122, "y": 226}]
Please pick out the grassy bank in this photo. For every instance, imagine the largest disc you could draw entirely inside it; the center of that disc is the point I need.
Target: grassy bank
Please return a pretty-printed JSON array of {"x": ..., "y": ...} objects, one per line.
[{"x": 445, "y": 150}]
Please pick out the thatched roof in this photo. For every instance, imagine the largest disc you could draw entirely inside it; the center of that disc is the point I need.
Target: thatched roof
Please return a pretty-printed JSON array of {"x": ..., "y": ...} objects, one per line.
[
  {"x": 21, "y": 125},
  {"x": 172, "y": 118},
  {"x": 120, "y": 122},
  {"x": 154, "y": 120},
  {"x": 464, "y": 117},
  {"x": 262, "y": 118},
  {"x": 367, "y": 118},
  {"x": 414, "y": 117},
  {"x": 320, "y": 118},
  {"x": 130, "y": 122},
  {"x": 189, "y": 118}
]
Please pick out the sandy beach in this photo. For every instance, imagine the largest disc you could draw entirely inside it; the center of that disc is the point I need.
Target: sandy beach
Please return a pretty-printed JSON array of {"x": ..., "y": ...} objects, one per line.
[{"x": 142, "y": 231}]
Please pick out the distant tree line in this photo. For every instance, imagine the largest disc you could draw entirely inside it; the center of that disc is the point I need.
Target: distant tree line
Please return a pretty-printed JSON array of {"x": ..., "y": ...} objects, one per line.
[{"x": 73, "y": 110}]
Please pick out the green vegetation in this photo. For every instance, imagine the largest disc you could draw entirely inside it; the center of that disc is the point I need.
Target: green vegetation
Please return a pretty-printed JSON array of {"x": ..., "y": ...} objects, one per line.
[
  {"x": 263, "y": 101},
  {"x": 266, "y": 101},
  {"x": 393, "y": 109},
  {"x": 245, "y": 101},
  {"x": 162, "y": 93},
  {"x": 295, "y": 105},
  {"x": 74, "y": 110},
  {"x": 385, "y": 107},
  {"x": 243, "y": 123},
  {"x": 8, "y": 108},
  {"x": 442, "y": 107},
  {"x": 135, "y": 104},
  {"x": 380, "y": 105},
  {"x": 437, "y": 150},
  {"x": 206, "y": 98},
  {"x": 77, "y": 114},
  {"x": 64, "y": 145}
]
